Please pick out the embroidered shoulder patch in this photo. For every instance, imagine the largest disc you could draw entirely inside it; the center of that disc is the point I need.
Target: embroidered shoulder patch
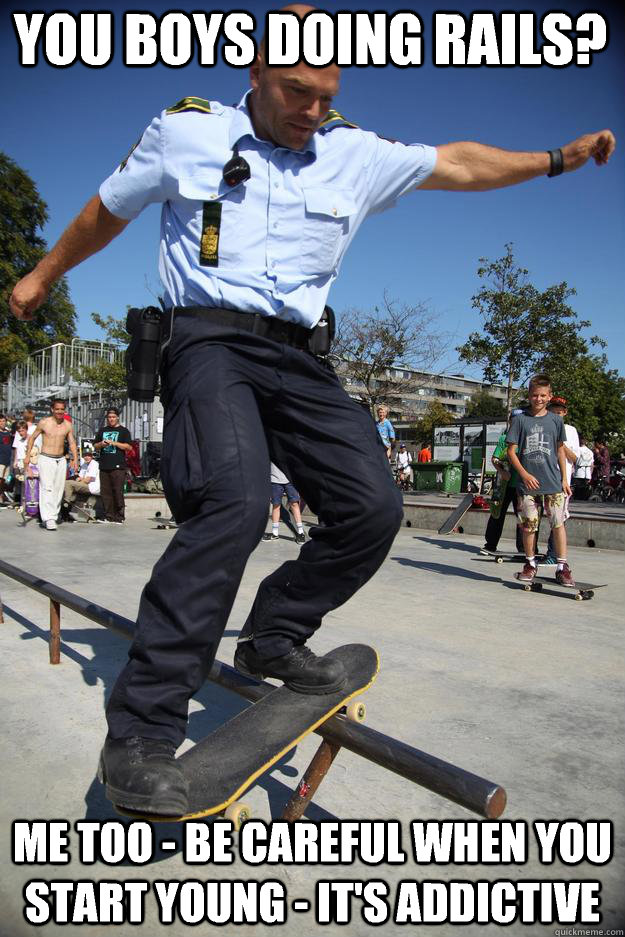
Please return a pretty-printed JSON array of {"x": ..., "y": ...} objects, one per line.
[
  {"x": 134, "y": 146},
  {"x": 190, "y": 104},
  {"x": 334, "y": 119}
]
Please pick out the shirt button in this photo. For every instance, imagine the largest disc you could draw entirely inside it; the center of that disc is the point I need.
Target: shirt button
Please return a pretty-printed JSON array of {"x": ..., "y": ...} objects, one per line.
[
  {"x": 275, "y": 224},
  {"x": 276, "y": 185}
]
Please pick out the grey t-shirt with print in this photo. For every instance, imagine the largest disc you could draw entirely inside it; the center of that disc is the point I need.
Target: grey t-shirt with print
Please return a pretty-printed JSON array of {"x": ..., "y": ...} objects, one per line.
[{"x": 537, "y": 438}]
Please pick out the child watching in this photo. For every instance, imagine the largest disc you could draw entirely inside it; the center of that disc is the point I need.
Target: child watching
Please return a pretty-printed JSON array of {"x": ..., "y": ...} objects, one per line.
[{"x": 536, "y": 450}]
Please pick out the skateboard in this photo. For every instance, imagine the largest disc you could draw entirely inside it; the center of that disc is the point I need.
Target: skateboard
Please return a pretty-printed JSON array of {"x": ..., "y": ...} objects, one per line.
[
  {"x": 164, "y": 523},
  {"x": 501, "y": 556},
  {"x": 580, "y": 591},
  {"x": 456, "y": 515},
  {"x": 87, "y": 515},
  {"x": 221, "y": 767}
]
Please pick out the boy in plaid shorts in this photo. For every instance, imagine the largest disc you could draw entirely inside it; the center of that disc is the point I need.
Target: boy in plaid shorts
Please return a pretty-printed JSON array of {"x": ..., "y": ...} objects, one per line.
[{"x": 536, "y": 450}]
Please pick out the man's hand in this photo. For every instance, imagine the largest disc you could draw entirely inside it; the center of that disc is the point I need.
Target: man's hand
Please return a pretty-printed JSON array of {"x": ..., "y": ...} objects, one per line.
[
  {"x": 566, "y": 488},
  {"x": 74, "y": 465},
  {"x": 88, "y": 233},
  {"x": 530, "y": 482},
  {"x": 28, "y": 294},
  {"x": 599, "y": 146}
]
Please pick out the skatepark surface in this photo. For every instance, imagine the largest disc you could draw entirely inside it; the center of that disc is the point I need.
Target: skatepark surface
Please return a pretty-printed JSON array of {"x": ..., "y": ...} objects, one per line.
[{"x": 524, "y": 689}]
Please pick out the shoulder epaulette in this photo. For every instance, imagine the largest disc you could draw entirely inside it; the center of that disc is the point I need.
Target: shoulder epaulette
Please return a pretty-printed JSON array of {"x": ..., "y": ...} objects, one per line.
[
  {"x": 190, "y": 104},
  {"x": 334, "y": 119}
]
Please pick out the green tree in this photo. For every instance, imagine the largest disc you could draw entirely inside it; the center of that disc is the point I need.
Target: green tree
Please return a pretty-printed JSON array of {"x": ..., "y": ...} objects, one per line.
[
  {"x": 521, "y": 323},
  {"x": 22, "y": 214},
  {"x": 108, "y": 376},
  {"x": 483, "y": 406},
  {"x": 595, "y": 393},
  {"x": 436, "y": 414},
  {"x": 374, "y": 346}
]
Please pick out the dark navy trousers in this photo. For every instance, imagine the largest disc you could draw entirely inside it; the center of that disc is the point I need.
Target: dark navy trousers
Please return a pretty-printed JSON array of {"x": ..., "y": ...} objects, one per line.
[{"x": 233, "y": 400}]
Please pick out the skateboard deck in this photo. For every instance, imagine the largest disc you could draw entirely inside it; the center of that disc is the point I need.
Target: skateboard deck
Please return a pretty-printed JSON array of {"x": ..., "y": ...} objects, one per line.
[
  {"x": 164, "y": 523},
  {"x": 502, "y": 556},
  {"x": 87, "y": 515},
  {"x": 580, "y": 591},
  {"x": 456, "y": 515},
  {"x": 221, "y": 767}
]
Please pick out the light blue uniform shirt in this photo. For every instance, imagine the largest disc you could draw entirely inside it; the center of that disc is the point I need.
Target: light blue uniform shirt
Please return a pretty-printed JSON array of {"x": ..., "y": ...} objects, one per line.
[{"x": 284, "y": 231}]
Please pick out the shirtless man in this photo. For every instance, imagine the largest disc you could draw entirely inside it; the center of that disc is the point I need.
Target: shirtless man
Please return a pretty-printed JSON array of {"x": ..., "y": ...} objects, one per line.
[{"x": 52, "y": 465}]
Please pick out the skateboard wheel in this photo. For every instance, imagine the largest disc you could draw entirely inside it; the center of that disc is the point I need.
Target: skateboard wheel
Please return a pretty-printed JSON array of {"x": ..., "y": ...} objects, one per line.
[
  {"x": 237, "y": 813},
  {"x": 499, "y": 559},
  {"x": 356, "y": 711},
  {"x": 579, "y": 596}
]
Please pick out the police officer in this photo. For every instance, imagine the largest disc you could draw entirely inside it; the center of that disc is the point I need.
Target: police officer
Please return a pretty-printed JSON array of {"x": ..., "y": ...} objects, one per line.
[{"x": 260, "y": 202}]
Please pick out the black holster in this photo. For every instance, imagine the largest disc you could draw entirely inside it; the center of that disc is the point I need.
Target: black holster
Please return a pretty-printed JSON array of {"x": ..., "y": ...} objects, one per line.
[
  {"x": 143, "y": 354},
  {"x": 322, "y": 336}
]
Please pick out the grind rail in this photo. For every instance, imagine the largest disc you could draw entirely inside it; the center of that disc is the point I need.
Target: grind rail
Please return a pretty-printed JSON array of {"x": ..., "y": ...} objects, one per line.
[{"x": 441, "y": 777}]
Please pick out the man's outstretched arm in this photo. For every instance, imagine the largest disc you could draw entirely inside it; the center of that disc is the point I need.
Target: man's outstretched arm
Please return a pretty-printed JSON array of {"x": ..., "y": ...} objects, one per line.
[
  {"x": 474, "y": 167},
  {"x": 87, "y": 234}
]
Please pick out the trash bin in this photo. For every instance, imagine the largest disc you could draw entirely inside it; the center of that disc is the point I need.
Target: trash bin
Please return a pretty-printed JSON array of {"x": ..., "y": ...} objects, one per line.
[{"x": 438, "y": 476}]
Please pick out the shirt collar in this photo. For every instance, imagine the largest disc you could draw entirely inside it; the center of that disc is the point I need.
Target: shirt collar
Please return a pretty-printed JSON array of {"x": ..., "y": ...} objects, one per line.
[{"x": 242, "y": 126}]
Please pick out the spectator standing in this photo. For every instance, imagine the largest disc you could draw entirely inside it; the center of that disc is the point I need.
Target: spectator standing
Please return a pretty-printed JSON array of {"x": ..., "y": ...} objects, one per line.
[
  {"x": 112, "y": 443},
  {"x": 6, "y": 447},
  {"x": 425, "y": 454},
  {"x": 385, "y": 429},
  {"x": 602, "y": 461},
  {"x": 558, "y": 406},
  {"x": 507, "y": 481},
  {"x": 404, "y": 461},
  {"x": 539, "y": 438},
  {"x": 582, "y": 473},
  {"x": 28, "y": 417},
  {"x": 280, "y": 486},
  {"x": 55, "y": 432}
]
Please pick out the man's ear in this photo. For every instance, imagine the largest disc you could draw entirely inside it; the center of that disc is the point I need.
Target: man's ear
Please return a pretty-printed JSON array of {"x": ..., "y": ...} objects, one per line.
[{"x": 255, "y": 72}]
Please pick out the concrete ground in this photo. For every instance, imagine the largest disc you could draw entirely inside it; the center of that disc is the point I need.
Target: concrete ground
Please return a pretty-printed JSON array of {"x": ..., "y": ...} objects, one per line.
[{"x": 523, "y": 689}]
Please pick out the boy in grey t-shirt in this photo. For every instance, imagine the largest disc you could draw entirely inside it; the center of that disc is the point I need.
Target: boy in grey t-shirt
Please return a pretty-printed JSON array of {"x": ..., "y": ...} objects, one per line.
[{"x": 535, "y": 449}]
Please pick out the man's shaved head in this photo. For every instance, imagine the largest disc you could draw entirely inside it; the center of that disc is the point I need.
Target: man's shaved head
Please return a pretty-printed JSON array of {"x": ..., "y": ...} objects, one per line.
[{"x": 290, "y": 102}]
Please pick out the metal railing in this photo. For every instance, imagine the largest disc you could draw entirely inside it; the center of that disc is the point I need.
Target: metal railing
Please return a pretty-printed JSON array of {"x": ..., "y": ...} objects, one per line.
[{"x": 441, "y": 777}]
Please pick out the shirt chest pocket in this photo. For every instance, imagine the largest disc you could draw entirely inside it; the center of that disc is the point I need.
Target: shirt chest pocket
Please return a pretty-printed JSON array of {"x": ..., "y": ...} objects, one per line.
[
  {"x": 325, "y": 229},
  {"x": 212, "y": 213}
]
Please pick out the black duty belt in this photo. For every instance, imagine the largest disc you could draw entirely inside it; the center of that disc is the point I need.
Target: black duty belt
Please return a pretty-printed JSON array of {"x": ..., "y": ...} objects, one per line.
[{"x": 287, "y": 333}]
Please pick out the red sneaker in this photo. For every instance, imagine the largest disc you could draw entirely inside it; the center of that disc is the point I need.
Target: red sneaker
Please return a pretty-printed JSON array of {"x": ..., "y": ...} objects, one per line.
[
  {"x": 564, "y": 577},
  {"x": 527, "y": 573}
]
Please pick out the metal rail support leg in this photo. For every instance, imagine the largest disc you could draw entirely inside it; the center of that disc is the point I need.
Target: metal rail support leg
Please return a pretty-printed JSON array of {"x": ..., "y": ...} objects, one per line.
[
  {"x": 55, "y": 632},
  {"x": 308, "y": 786}
]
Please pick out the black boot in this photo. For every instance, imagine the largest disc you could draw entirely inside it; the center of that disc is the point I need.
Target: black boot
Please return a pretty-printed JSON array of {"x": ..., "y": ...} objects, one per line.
[
  {"x": 300, "y": 669},
  {"x": 143, "y": 775}
]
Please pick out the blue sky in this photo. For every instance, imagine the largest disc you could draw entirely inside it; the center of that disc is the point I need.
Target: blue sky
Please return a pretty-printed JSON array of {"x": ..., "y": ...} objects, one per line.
[{"x": 69, "y": 128}]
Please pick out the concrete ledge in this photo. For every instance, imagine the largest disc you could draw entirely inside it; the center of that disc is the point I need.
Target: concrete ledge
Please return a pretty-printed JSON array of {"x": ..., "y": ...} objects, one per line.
[
  {"x": 140, "y": 505},
  {"x": 605, "y": 533}
]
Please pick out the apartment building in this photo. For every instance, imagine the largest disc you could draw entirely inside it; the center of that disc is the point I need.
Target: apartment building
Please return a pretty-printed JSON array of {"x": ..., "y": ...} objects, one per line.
[{"x": 408, "y": 393}]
